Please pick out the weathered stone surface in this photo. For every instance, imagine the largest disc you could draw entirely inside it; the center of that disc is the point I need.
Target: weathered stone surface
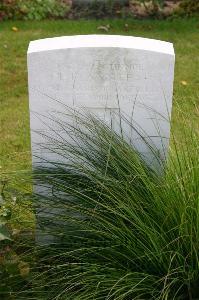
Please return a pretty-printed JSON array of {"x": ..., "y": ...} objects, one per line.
[{"x": 109, "y": 76}]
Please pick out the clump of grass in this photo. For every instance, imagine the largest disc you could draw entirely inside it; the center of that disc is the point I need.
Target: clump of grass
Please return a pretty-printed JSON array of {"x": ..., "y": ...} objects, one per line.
[{"x": 118, "y": 229}]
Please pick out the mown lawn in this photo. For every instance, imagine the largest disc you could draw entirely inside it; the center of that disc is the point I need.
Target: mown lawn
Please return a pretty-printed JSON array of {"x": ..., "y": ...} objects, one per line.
[{"x": 14, "y": 115}]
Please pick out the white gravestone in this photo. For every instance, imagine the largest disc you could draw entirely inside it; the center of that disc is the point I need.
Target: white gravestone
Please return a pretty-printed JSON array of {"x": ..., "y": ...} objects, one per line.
[
  {"x": 108, "y": 75},
  {"x": 113, "y": 77}
]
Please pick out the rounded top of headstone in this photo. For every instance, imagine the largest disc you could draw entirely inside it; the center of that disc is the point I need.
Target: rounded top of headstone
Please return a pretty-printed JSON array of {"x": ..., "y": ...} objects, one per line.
[{"x": 100, "y": 41}]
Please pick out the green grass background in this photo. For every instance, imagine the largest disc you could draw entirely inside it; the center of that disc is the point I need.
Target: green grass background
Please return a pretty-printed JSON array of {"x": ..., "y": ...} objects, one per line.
[{"x": 14, "y": 115}]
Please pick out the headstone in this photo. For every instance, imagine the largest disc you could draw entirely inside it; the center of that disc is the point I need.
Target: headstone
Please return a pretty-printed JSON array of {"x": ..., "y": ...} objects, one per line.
[
  {"x": 108, "y": 75},
  {"x": 126, "y": 81}
]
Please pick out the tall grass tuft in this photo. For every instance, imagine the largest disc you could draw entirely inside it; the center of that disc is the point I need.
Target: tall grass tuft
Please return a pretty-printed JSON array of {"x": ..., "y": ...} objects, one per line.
[{"x": 117, "y": 228}]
